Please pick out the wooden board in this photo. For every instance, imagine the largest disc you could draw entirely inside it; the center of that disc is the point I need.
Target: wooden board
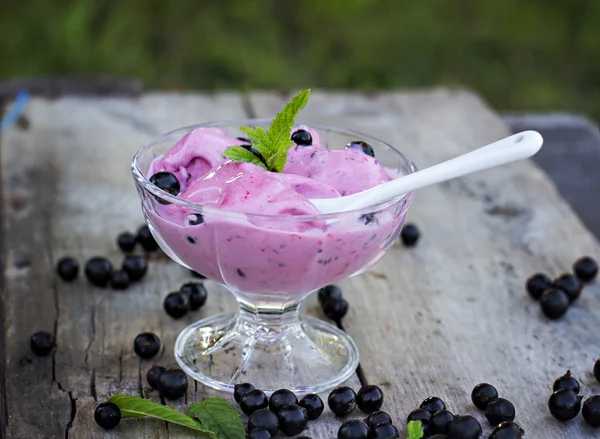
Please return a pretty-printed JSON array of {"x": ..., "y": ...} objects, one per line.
[{"x": 436, "y": 319}]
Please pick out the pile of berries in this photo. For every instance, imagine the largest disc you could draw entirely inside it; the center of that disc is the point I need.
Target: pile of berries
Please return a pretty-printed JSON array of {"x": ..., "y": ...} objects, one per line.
[
  {"x": 172, "y": 383},
  {"x": 99, "y": 270},
  {"x": 557, "y": 295},
  {"x": 333, "y": 304},
  {"x": 281, "y": 412},
  {"x": 439, "y": 423},
  {"x": 191, "y": 296},
  {"x": 565, "y": 402},
  {"x": 284, "y": 412}
]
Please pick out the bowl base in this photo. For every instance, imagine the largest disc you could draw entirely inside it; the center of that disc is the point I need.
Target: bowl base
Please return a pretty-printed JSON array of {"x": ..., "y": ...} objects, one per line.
[{"x": 305, "y": 356}]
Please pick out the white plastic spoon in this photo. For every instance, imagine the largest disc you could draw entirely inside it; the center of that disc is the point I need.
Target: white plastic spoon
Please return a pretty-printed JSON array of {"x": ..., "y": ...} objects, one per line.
[{"x": 516, "y": 147}]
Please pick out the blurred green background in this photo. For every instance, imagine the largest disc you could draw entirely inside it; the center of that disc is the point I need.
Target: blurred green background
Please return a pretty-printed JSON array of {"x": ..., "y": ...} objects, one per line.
[{"x": 526, "y": 55}]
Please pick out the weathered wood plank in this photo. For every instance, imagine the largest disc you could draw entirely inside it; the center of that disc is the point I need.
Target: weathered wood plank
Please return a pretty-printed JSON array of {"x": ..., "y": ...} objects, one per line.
[
  {"x": 68, "y": 190},
  {"x": 482, "y": 236},
  {"x": 438, "y": 319}
]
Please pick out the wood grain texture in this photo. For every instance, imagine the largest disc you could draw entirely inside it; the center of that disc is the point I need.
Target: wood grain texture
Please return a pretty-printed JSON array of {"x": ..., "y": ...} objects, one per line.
[
  {"x": 436, "y": 319},
  {"x": 452, "y": 312}
]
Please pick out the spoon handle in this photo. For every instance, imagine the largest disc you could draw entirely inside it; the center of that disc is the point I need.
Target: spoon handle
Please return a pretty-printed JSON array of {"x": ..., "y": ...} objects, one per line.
[{"x": 516, "y": 147}]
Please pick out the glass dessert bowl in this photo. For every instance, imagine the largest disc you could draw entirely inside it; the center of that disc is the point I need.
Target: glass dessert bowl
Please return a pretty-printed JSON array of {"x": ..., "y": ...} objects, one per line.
[{"x": 271, "y": 263}]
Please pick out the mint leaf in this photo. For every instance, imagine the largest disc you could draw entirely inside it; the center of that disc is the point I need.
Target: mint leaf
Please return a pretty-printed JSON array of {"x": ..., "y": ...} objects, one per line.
[
  {"x": 279, "y": 132},
  {"x": 280, "y": 129},
  {"x": 259, "y": 138},
  {"x": 415, "y": 430},
  {"x": 278, "y": 160},
  {"x": 274, "y": 143},
  {"x": 219, "y": 416},
  {"x": 240, "y": 154},
  {"x": 136, "y": 407}
]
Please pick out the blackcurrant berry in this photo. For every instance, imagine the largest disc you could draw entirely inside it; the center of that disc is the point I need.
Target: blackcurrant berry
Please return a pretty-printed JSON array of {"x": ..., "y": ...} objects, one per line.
[
  {"x": 41, "y": 343},
  {"x": 564, "y": 404},
  {"x": 507, "y": 430},
  {"x": 153, "y": 375},
  {"x": 410, "y": 235},
  {"x": 172, "y": 383},
  {"x": 280, "y": 398},
  {"x": 569, "y": 284},
  {"x": 263, "y": 418},
  {"x": 591, "y": 411},
  {"x": 482, "y": 394},
  {"x": 567, "y": 381},
  {"x": 537, "y": 284},
  {"x": 146, "y": 345},
  {"x": 586, "y": 269},
  {"x": 499, "y": 410},
  {"x": 107, "y": 415},
  {"x": 433, "y": 404},
  {"x": 240, "y": 389},
  {"x": 292, "y": 419},
  {"x": 353, "y": 429},
  {"x": 67, "y": 268},
  {"x": 369, "y": 398},
  {"x": 254, "y": 400},
  {"x": 377, "y": 418},
  {"x": 440, "y": 421},
  {"x": 342, "y": 400},
  {"x": 313, "y": 404},
  {"x": 554, "y": 303},
  {"x": 126, "y": 242},
  {"x": 464, "y": 427}
]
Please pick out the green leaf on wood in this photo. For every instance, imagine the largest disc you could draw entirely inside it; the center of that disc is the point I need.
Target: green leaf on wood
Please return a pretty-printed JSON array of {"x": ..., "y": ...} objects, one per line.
[
  {"x": 219, "y": 416},
  {"x": 136, "y": 407}
]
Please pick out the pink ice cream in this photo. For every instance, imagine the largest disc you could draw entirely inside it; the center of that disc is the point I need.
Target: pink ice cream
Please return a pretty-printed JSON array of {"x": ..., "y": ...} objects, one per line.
[{"x": 281, "y": 254}]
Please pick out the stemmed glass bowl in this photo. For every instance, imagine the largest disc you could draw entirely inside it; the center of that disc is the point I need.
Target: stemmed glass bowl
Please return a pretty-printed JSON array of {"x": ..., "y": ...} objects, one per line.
[{"x": 270, "y": 263}]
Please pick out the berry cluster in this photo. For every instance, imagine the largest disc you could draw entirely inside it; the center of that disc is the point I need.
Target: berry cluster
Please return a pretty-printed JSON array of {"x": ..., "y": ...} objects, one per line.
[
  {"x": 172, "y": 383},
  {"x": 191, "y": 296},
  {"x": 281, "y": 412},
  {"x": 498, "y": 411},
  {"x": 99, "y": 270},
  {"x": 557, "y": 295},
  {"x": 284, "y": 412},
  {"x": 439, "y": 423},
  {"x": 369, "y": 399},
  {"x": 565, "y": 402}
]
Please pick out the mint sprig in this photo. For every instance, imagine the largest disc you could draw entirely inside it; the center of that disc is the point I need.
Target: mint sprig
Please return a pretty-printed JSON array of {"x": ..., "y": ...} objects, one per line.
[
  {"x": 218, "y": 416},
  {"x": 415, "y": 430},
  {"x": 136, "y": 407},
  {"x": 273, "y": 143}
]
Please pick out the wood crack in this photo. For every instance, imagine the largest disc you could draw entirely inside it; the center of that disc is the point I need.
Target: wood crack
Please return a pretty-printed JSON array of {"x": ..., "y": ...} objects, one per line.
[
  {"x": 93, "y": 385},
  {"x": 73, "y": 413},
  {"x": 121, "y": 366},
  {"x": 92, "y": 333},
  {"x": 140, "y": 388}
]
